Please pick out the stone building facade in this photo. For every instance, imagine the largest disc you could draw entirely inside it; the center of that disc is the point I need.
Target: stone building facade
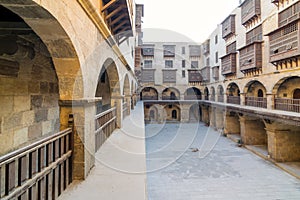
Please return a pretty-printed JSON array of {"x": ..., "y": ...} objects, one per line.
[
  {"x": 61, "y": 64},
  {"x": 249, "y": 82}
]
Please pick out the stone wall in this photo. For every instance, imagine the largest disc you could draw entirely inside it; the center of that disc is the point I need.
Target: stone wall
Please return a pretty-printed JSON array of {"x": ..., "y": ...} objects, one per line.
[{"x": 29, "y": 103}]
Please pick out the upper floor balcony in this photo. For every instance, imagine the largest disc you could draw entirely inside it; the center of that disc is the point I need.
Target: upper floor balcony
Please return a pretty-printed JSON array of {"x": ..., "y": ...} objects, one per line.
[
  {"x": 289, "y": 15},
  {"x": 251, "y": 56},
  {"x": 118, "y": 15},
  {"x": 228, "y": 26},
  {"x": 195, "y": 76},
  {"x": 205, "y": 74},
  {"x": 284, "y": 42},
  {"x": 228, "y": 63},
  {"x": 251, "y": 10}
]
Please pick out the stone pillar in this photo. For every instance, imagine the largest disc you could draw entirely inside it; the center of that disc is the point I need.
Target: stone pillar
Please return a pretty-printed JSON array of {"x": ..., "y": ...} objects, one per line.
[
  {"x": 270, "y": 101},
  {"x": 205, "y": 114},
  {"x": 159, "y": 96},
  {"x": 83, "y": 112},
  {"x": 243, "y": 99},
  {"x": 181, "y": 97},
  {"x": 219, "y": 119},
  {"x": 117, "y": 101},
  {"x": 252, "y": 131},
  {"x": 212, "y": 116},
  {"x": 185, "y": 113},
  {"x": 283, "y": 145},
  {"x": 128, "y": 101},
  {"x": 231, "y": 124}
]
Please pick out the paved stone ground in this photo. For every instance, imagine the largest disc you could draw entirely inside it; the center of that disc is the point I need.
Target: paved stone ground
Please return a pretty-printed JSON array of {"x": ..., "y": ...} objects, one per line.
[{"x": 219, "y": 170}]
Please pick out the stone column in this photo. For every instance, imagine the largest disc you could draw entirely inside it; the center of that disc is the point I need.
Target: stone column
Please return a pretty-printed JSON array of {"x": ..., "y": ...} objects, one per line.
[
  {"x": 128, "y": 101},
  {"x": 212, "y": 116},
  {"x": 205, "y": 114},
  {"x": 83, "y": 112},
  {"x": 219, "y": 119},
  {"x": 117, "y": 101},
  {"x": 243, "y": 99},
  {"x": 231, "y": 124},
  {"x": 185, "y": 113},
  {"x": 270, "y": 101},
  {"x": 252, "y": 131},
  {"x": 283, "y": 142}
]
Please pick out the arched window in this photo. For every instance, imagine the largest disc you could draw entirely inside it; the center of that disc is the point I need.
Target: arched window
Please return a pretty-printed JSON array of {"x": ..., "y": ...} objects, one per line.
[
  {"x": 260, "y": 93},
  {"x": 174, "y": 114}
]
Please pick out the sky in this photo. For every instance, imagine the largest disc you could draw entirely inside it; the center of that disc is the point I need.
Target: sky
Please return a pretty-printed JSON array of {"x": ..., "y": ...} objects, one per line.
[{"x": 194, "y": 20}]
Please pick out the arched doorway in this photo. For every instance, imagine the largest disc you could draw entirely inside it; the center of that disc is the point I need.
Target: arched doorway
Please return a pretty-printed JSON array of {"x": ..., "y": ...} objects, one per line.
[
  {"x": 213, "y": 94},
  {"x": 149, "y": 93},
  {"x": 287, "y": 94},
  {"x": 255, "y": 94},
  {"x": 195, "y": 113},
  {"x": 233, "y": 94},
  {"x": 192, "y": 93},
  {"x": 174, "y": 114},
  {"x": 170, "y": 94}
]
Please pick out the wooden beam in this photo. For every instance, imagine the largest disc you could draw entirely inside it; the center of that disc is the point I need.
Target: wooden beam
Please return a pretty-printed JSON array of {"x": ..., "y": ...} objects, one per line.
[
  {"x": 115, "y": 12},
  {"x": 117, "y": 19},
  {"x": 106, "y": 6},
  {"x": 119, "y": 26}
]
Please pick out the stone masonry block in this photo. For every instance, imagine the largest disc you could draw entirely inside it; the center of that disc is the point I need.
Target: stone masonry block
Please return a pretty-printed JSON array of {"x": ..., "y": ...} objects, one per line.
[
  {"x": 47, "y": 127},
  {"x": 21, "y": 103},
  {"x": 6, "y": 142},
  {"x": 53, "y": 113},
  {"x": 20, "y": 136},
  {"x": 35, "y": 131},
  {"x": 36, "y": 101},
  {"x": 12, "y": 122},
  {"x": 28, "y": 118},
  {"x": 6, "y": 103},
  {"x": 41, "y": 115}
]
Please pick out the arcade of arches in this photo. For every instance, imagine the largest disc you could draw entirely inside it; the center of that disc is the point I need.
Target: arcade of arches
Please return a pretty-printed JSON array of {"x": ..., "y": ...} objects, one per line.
[{"x": 247, "y": 111}]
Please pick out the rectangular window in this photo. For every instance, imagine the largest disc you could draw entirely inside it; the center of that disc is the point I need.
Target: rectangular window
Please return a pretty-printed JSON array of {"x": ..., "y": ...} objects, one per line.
[
  {"x": 231, "y": 48},
  {"x": 216, "y": 39},
  {"x": 183, "y": 64},
  {"x": 168, "y": 63},
  {"x": 195, "y": 50},
  {"x": 169, "y": 50},
  {"x": 148, "y": 50},
  {"x": 148, "y": 64},
  {"x": 183, "y": 50},
  {"x": 183, "y": 73},
  {"x": 217, "y": 57},
  {"x": 194, "y": 64}
]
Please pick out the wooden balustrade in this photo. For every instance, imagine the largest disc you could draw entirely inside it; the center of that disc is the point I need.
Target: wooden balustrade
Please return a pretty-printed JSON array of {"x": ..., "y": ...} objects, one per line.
[
  {"x": 105, "y": 125},
  {"x": 234, "y": 99},
  {"x": 260, "y": 102},
  {"x": 286, "y": 104},
  {"x": 41, "y": 170},
  {"x": 220, "y": 98},
  {"x": 192, "y": 97},
  {"x": 125, "y": 109},
  {"x": 149, "y": 97}
]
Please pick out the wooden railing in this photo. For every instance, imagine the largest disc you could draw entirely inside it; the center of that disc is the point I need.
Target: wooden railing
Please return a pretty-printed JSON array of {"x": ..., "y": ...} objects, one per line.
[
  {"x": 105, "y": 125},
  {"x": 220, "y": 98},
  {"x": 41, "y": 170},
  {"x": 286, "y": 104},
  {"x": 233, "y": 99},
  {"x": 192, "y": 97},
  {"x": 125, "y": 109},
  {"x": 260, "y": 102},
  {"x": 149, "y": 98}
]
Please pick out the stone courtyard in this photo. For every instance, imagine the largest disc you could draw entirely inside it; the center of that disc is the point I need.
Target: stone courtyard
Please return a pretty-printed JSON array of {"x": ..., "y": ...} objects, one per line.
[{"x": 206, "y": 165}]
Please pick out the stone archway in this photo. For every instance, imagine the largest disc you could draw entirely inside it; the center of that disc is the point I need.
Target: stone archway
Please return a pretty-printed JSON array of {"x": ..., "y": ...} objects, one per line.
[
  {"x": 255, "y": 94},
  {"x": 233, "y": 94},
  {"x": 127, "y": 94},
  {"x": 212, "y": 93},
  {"x": 284, "y": 91},
  {"x": 149, "y": 93},
  {"x": 296, "y": 94},
  {"x": 170, "y": 94},
  {"x": 195, "y": 113},
  {"x": 192, "y": 93},
  {"x": 206, "y": 93},
  {"x": 220, "y": 93}
]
